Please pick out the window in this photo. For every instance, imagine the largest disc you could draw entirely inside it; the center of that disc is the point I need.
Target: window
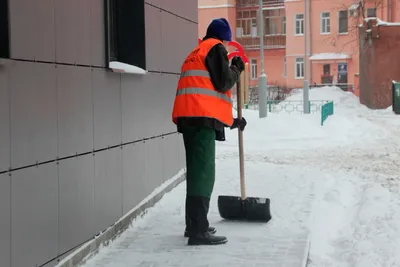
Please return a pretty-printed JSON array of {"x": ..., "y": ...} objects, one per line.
[
  {"x": 327, "y": 69},
  {"x": 299, "y": 27},
  {"x": 253, "y": 69},
  {"x": 284, "y": 67},
  {"x": 246, "y": 23},
  {"x": 325, "y": 22},
  {"x": 4, "y": 32},
  {"x": 125, "y": 36},
  {"x": 254, "y": 32},
  {"x": 371, "y": 12},
  {"x": 273, "y": 21},
  {"x": 283, "y": 25},
  {"x": 299, "y": 68},
  {"x": 343, "y": 21}
]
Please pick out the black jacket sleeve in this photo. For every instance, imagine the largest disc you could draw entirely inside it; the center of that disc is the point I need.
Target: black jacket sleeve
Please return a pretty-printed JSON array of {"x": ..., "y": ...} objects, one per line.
[{"x": 222, "y": 75}]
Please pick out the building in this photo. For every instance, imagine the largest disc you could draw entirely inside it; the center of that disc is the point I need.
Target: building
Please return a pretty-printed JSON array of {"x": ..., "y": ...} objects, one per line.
[
  {"x": 86, "y": 95},
  {"x": 243, "y": 18},
  {"x": 331, "y": 43},
  {"x": 379, "y": 42},
  {"x": 328, "y": 54}
]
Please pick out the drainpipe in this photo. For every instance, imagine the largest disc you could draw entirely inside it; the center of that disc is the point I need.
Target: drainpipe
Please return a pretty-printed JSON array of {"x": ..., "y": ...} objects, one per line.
[
  {"x": 306, "y": 85},
  {"x": 310, "y": 40},
  {"x": 389, "y": 10},
  {"x": 262, "y": 79}
]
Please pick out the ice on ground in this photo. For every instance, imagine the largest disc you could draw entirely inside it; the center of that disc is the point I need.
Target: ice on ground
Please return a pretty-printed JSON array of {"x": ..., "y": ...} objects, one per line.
[{"x": 334, "y": 187}]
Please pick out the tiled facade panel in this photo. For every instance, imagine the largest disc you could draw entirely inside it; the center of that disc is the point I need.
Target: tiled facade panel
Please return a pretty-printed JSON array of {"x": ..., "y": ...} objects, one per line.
[
  {"x": 34, "y": 215},
  {"x": 106, "y": 108},
  {"x": 4, "y": 119},
  {"x": 63, "y": 31},
  {"x": 32, "y": 27},
  {"x": 76, "y": 201},
  {"x": 108, "y": 188},
  {"x": 75, "y": 110},
  {"x": 55, "y": 105},
  {"x": 154, "y": 38},
  {"x": 134, "y": 175},
  {"x": 33, "y": 113},
  {"x": 5, "y": 219}
]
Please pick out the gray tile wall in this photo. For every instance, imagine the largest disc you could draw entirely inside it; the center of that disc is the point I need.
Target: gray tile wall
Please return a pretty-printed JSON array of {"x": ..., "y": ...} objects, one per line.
[{"x": 50, "y": 109}]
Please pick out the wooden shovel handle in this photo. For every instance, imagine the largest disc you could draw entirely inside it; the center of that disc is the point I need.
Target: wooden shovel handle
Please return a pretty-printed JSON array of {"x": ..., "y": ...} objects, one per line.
[{"x": 241, "y": 151}]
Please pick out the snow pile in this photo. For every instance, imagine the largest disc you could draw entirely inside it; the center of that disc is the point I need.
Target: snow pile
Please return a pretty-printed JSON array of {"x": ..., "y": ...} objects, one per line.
[
  {"x": 330, "y": 93},
  {"x": 346, "y": 126}
]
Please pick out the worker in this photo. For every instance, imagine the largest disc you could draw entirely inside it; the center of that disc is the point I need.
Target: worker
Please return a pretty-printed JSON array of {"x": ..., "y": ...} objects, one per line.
[{"x": 202, "y": 109}]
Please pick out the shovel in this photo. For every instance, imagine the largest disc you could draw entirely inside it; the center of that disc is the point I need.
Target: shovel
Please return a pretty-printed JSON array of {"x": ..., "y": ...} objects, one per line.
[{"x": 243, "y": 208}]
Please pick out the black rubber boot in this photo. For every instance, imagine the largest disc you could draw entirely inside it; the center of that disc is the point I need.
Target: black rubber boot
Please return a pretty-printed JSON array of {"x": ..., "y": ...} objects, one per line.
[
  {"x": 199, "y": 227},
  {"x": 211, "y": 230},
  {"x": 206, "y": 239}
]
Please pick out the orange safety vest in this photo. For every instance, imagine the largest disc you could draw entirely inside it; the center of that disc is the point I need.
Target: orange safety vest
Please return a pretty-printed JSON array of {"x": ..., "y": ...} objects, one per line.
[{"x": 195, "y": 94}]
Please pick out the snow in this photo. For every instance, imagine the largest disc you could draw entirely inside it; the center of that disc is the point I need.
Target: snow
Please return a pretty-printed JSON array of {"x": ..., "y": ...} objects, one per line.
[
  {"x": 329, "y": 56},
  {"x": 381, "y": 22},
  {"x": 334, "y": 190},
  {"x": 354, "y": 7},
  {"x": 117, "y": 66}
]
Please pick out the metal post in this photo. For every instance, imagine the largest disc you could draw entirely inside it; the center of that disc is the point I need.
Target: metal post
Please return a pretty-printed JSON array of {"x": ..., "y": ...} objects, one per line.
[
  {"x": 306, "y": 86},
  {"x": 262, "y": 79}
]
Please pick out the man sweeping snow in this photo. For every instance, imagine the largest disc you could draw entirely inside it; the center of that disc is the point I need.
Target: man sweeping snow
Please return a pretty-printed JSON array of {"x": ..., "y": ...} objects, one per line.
[{"x": 202, "y": 108}]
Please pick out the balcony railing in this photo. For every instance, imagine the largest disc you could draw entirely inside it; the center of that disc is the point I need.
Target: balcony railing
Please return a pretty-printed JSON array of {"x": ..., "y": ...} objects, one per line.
[
  {"x": 270, "y": 42},
  {"x": 253, "y": 3}
]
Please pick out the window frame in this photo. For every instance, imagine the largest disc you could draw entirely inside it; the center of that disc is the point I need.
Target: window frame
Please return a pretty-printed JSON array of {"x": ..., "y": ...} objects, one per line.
[
  {"x": 5, "y": 46},
  {"x": 284, "y": 25},
  {"x": 301, "y": 26},
  {"x": 326, "y": 67},
  {"x": 125, "y": 36},
  {"x": 368, "y": 9},
  {"x": 249, "y": 21},
  {"x": 347, "y": 18},
  {"x": 297, "y": 77},
  {"x": 326, "y": 19},
  {"x": 253, "y": 75},
  {"x": 277, "y": 20}
]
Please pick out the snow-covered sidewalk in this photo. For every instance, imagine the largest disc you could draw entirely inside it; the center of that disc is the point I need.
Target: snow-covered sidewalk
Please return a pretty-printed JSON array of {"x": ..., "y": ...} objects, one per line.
[
  {"x": 333, "y": 188},
  {"x": 157, "y": 238}
]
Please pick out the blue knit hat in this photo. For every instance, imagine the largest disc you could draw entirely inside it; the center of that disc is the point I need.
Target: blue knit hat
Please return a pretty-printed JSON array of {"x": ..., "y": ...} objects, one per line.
[{"x": 219, "y": 28}]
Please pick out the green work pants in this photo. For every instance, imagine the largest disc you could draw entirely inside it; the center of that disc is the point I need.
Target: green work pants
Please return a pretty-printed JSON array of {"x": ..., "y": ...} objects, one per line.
[{"x": 200, "y": 160}]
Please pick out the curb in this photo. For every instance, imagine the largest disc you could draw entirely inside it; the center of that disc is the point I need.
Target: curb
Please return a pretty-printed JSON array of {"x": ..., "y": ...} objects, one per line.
[
  {"x": 90, "y": 249},
  {"x": 306, "y": 256}
]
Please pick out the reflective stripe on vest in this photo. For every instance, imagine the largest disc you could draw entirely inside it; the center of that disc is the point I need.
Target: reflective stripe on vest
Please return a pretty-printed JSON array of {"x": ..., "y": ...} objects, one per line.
[
  {"x": 200, "y": 73},
  {"x": 198, "y": 90},
  {"x": 202, "y": 91}
]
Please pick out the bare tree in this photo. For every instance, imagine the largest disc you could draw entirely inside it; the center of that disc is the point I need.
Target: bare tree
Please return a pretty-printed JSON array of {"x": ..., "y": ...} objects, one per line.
[{"x": 354, "y": 23}]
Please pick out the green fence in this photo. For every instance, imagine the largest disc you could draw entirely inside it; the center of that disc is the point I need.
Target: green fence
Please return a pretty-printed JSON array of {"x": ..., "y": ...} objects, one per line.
[
  {"x": 289, "y": 106},
  {"x": 326, "y": 111}
]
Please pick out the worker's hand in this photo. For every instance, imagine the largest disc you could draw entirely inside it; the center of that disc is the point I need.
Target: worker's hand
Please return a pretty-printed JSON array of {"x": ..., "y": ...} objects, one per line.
[
  {"x": 238, "y": 62},
  {"x": 239, "y": 123}
]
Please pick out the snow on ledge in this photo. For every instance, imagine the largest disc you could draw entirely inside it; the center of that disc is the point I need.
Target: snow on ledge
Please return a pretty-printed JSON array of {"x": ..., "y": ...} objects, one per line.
[
  {"x": 329, "y": 56},
  {"x": 117, "y": 66},
  {"x": 380, "y": 22}
]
